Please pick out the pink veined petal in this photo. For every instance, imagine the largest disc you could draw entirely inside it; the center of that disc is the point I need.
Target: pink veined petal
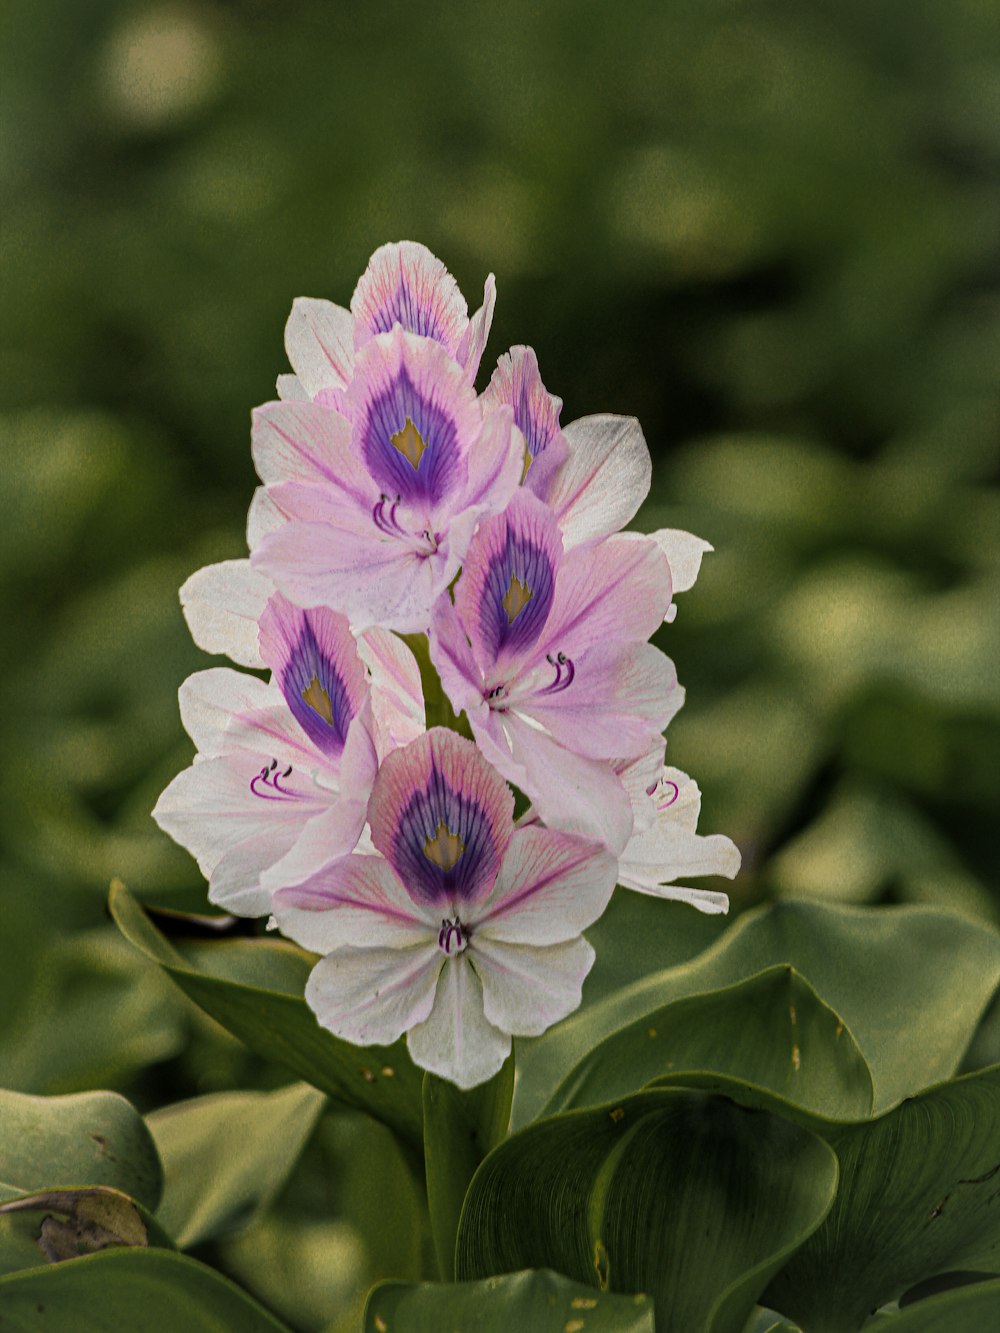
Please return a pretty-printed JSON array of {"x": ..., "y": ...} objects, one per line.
[
  {"x": 494, "y": 466},
  {"x": 263, "y": 517},
  {"x": 570, "y": 792},
  {"x": 222, "y": 604},
  {"x": 237, "y": 882},
  {"x": 405, "y": 284},
  {"x": 397, "y": 692},
  {"x": 209, "y": 700},
  {"x": 372, "y": 996},
  {"x": 473, "y": 341},
  {"x": 452, "y": 656},
  {"x": 326, "y": 838},
  {"x": 274, "y": 731},
  {"x": 551, "y": 886},
  {"x": 319, "y": 341},
  {"x": 616, "y": 590},
  {"x": 372, "y": 581},
  {"x": 289, "y": 387},
  {"x": 456, "y": 1041},
  {"x": 434, "y": 790},
  {"x": 671, "y": 847},
  {"x": 356, "y": 900},
  {"x": 210, "y": 807},
  {"x": 527, "y": 989},
  {"x": 620, "y": 699},
  {"x": 300, "y": 441},
  {"x": 516, "y": 383},
  {"x": 684, "y": 552},
  {"x": 604, "y": 480}
]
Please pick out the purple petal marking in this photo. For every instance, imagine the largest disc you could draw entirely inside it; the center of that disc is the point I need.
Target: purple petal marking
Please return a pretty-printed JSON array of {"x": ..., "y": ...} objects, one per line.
[
  {"x": 316, "y": 665},
  {"x": 516, "y": 381},
  {"x": 414, "y": 418},
  {"x": 407, "y": 285},
  {"x": 442, "y": 817}
]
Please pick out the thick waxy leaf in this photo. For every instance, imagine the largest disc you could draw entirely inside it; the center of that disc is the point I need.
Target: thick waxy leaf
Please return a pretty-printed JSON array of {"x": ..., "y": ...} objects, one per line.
[
  {"x": 280, "y": 1026},
  {"x": 532, "y": 1302},
  {"x": 460, "y": 1128},
  {"x": 772, "y": 1030},
  {"x": 919, "y": 1195},
  {"x": 154, "y": 1290},
  {"x": 909, "y": 982},
  {"x": 971, "y": 1309},
  {"x": 90, "y": 1138},
  {"x": 683, "y": 1195},
  {"x": 225, "y": 1157}
]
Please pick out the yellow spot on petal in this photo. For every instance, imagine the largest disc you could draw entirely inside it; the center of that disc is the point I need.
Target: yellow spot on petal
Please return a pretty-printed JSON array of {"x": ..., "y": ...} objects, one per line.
[
  {"x": 517, "y": 598},
  {"x": 410, "y": 443},
  {"x": 528, "y": 460},
  {"x": 388, "y": 1071},
  {"x": 444, "y": 848},
  {"x": 316, "y": 698}
]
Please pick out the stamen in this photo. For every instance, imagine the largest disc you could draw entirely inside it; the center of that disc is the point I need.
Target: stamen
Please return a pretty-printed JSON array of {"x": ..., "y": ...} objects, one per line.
[
  {"x": 267, "y": 778},
  {"x": 444, "y": 849},
  {"x": 410, "y": 443},
  {"x": 517, "y": 597},
  {"x": 452, "y": 931},
  {"x": 561, "y": 682},
  {"x": 668, "y": 790},
  {"x": 314, "y": 696}
]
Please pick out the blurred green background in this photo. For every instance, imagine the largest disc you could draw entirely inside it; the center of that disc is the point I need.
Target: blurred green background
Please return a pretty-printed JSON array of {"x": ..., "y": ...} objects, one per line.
[{"x": 770, "y": 229}]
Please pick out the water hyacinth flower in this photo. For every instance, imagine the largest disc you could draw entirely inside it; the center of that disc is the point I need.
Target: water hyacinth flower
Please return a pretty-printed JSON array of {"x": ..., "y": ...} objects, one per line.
[
  {"x": 403, "y": 284},
  {"x": 281, "y": 780},
  {"x": 372, "y": 512},
  {"x": 462, "y": 930},
  {"x": 546, "y": 652}
]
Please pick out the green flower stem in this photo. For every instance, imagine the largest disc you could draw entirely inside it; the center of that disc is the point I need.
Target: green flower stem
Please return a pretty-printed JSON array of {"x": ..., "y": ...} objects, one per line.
[
  {"x": 436, "y": 703},
  {"x": 460, "y": 1128}
]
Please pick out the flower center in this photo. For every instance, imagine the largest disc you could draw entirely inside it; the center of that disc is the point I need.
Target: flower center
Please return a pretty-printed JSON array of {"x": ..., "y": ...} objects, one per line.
[
  {"x": 444, "y": 849},
  {"x": 516, "y": 598},
  {"x": 452, "y": 935},
  {"x": 409, "y": 442},
  {"x": 314, "y": 696}
]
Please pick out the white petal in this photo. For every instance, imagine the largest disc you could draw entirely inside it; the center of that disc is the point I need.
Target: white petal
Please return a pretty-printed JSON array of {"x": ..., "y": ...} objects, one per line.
[
  {"x": 289, "y": 387},
  {"x": 605, "y": 479},
  {"x": 372, "y": 996},
  {"x": 684, "y": 552},
  {"x": 327, "y": 837},
  {"x": 263, "y": 517},
  {"x": 712, "y": 904},
  {"x": 551, "y": 886},
  {"x": 210, "y": 699},
  {"x": 662, "y": 854},
  {"x": 319, "y": 340},
  {"x": 236, "y": 882},
  {"x": 526, "y": 990},
  {"x": 222, "y": 604},
  {"x": 638, "y": 776},
  {"x": 456, "y": 1041},
  {"x": 397, "y": 691},
  {"x": 358, "y": 901}
]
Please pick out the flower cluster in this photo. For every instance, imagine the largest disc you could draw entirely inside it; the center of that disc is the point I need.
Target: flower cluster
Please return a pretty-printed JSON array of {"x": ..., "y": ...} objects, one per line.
[{"x": 395, "y": 501}]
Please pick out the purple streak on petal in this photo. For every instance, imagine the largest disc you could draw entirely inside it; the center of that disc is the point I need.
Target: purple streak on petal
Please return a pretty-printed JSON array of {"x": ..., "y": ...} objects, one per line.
[
  {"x": 386, "y": 414},
  {"x": 407, "y": 285}
]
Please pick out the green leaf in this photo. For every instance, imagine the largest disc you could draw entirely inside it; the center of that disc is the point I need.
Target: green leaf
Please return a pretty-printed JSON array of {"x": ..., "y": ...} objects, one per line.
[
  {"x": 381, "y": 1080},
  {"x": 771, "y": 1030},
  {"x": 533, "y": 1302},
  {"x": 680, "y": 1194},
  {"x": 460, "y": 1128},
  {"x": 919, "y": 1195},
  {"x": 225, "y": 1157},
  {"x": 911, "y": 983},
  {"x": 89, "y": 1138},
  {"x": 155, "y": 1290},
  {"x": 970, "y": 1309}
]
